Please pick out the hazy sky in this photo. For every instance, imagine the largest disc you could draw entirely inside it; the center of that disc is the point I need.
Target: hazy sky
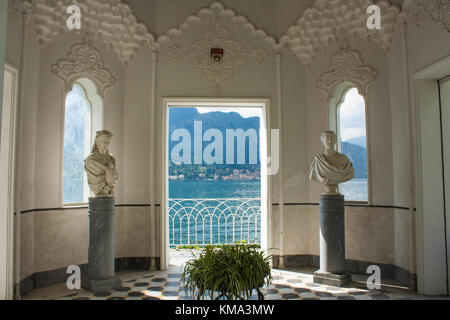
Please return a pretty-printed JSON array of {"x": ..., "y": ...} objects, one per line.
[
  {"x": 352, "y": 116},
  {"x": 244, "y": 112}
]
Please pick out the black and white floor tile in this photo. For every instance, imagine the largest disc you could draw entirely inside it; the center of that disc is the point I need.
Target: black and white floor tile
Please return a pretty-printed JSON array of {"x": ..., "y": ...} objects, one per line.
[{"x": 287, "y": 285}]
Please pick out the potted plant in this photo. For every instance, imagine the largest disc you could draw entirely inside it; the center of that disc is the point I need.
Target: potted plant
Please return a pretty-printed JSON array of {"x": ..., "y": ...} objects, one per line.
[{"x": 231, "y": 271}]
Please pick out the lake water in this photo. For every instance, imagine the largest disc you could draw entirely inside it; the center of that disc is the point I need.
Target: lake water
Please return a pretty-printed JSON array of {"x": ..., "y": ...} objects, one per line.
[
  {"x": 198, "y": 221},
  {"x": 219, "y": 189},
  {"x": 354, "y": 190}
]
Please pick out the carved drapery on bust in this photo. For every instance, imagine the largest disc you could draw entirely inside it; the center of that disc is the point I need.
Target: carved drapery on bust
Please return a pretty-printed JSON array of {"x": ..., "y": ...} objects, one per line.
[
  {"x": 101, "y": 167},
  {"x": 331, "y": 167},
  {"x": 346, "y": 66},
  {"x": 84, "y": 61}
]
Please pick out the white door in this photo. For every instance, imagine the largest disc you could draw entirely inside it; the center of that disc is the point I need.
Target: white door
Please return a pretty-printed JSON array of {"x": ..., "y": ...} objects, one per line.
[
  {"x": 7, "y": 150},
  {"x": 445, "y": 111}
]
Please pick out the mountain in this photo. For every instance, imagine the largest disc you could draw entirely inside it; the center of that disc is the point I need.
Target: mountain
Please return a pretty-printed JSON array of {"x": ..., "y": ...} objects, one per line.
[
  {"x": 183, "y": 118},
  {"x": 359, "y": 141},
  {"x": 357, "y": 156}
]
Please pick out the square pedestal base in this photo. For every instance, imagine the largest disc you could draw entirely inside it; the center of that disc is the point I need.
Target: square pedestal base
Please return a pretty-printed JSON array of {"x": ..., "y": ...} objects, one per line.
[
  {"x": 94, "y": 285},
  {"x": 331, "y": 279}
]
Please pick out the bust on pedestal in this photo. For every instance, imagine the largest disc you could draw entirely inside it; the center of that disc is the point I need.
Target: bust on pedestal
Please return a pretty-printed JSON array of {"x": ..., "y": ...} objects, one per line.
[
  {"x": 101, "y": 172},
  {"x": 331, "y": 168}
]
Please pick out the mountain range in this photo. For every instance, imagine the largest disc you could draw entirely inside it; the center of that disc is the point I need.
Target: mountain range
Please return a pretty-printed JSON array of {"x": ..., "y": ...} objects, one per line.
[{"x": 184, "y": 117}]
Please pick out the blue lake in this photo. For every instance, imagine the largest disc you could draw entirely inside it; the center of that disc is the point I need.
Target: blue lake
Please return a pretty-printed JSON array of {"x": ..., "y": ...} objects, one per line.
[
  {"x": 198, "y": 221},
  {"x": 219, "y": 189}
]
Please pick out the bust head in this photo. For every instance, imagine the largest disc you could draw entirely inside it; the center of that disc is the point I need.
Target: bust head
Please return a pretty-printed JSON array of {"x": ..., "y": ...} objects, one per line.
[
  {"x": 328, "y": 139},
  {"x": 102, "y": 141}
]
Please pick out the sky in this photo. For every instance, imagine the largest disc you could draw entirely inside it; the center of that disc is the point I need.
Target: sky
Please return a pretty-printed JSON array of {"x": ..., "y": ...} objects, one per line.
[
  {"x": 244, "y": 112},
  {"x": 352, "y": 116}
]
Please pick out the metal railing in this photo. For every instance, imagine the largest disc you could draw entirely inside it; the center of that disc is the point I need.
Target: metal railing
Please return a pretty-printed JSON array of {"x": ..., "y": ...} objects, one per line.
[{"x": 214, "y": 221}]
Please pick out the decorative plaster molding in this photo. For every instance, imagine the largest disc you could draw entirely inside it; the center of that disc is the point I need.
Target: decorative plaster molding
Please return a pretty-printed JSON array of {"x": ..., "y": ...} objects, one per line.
[
  {"x": 328, "y": 22},
  {"x": 84, "y": 61},
  {"x": 436, "y": 10},
  {"x": 216, "y": 27},
  {"x": 108, "y": 20},
  {"x": 346, "y": 66},
  {"x": 13, "y": 8},
  {"x": 216, "y": 14}
]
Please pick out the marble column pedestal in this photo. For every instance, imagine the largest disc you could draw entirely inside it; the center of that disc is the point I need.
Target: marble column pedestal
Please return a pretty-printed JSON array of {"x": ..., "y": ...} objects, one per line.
[
  {"x": 332, "y": 242},
  {"x": 100, "y": 272}
]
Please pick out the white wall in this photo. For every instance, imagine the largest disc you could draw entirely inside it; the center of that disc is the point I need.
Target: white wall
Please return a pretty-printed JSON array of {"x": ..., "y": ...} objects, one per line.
[{"x": 374, "y": 234}]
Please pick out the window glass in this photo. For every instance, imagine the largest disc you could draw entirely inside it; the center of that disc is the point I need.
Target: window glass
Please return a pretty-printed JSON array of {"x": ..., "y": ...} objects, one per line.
[
  {"x": 352, "y": 143},
  {"x": 77, "y": 141}
]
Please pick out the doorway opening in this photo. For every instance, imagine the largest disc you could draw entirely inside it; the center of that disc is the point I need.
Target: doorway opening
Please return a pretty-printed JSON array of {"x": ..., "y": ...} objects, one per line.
[{"x": 215, "y": 181}]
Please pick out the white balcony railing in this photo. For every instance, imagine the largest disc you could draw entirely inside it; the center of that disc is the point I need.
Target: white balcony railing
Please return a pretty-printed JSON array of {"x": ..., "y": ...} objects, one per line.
[{"x": 214, "y": 221}]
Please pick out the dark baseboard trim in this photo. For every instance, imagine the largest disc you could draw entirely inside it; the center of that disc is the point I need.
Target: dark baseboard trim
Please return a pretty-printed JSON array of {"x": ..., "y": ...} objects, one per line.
[
  {"x": 359, "y": 205},
  {"x": 388, "y": 271},
  {"x": 85, "y": 207},
  {"x": 273, "y": 204},
  {"x": 51, "y": 277}
]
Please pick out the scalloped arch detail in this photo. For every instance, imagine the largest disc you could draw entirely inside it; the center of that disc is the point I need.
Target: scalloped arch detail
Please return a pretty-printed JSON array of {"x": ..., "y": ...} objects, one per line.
[
  {"x": 324, "y": 23},
  {"x": 215, "y": 27},
  {"x": 83, "y": 61},
  {"x": 346, "y": 66},
  {"x": 328, "y": 22},
  {"x": 110, "y": 21},
  {"x": 215, "y": 14}
]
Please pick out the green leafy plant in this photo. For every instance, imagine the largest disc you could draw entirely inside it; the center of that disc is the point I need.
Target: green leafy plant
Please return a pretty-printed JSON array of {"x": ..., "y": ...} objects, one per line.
[{"x": 231, "y": 271}]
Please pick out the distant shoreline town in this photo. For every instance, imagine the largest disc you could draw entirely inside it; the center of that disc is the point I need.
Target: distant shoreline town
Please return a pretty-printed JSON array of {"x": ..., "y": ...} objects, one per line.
[{"x": 214, "y": 173}]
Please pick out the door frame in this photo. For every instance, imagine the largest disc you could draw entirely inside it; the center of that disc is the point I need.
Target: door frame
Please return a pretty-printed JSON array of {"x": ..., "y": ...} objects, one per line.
[
  {"x": 445, "y": 173},
  {"x": 266, "y": 208},
  {"x": 431, "y": 255},
  {"x": 8, "y": 291}
]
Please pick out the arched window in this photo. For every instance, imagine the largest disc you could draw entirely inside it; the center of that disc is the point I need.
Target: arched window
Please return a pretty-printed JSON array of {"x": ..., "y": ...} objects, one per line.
[
  {"x": 77, "y": 141},
  {"x": 351, "y": 132},
  {"x": 83, "y": 117}
]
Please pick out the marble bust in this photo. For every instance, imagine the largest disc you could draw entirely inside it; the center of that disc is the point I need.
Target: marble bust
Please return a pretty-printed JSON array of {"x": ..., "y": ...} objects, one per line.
[
  {"x": 331, "y": 167},
  {"x": 100, "y": 166}
]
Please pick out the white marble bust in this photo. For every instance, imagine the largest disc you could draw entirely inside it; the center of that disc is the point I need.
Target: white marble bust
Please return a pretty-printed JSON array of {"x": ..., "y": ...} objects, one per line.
[
  {"x": 100, "y": 166},
  {"x": 331, "y": 167}
]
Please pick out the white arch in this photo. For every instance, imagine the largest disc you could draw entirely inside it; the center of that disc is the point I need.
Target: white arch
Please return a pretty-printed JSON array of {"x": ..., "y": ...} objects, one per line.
[
  {"x": 111, "y": 21},
  {"x": 328, "y": 22}
]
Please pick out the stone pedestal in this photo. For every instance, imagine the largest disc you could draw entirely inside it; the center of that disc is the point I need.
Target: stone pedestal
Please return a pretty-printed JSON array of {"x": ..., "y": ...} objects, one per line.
[
  {"x": 100, "y": 272},
  {"x": 332, "y": 242}
]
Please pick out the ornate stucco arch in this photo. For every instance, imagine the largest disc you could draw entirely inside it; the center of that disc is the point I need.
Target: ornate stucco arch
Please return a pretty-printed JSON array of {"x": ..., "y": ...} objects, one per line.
[
  {"x": 83, "y": 61},
  {"x": 328, "y": 22},
  {"x": 346, "y": 66},
  {"x": 216, "y": 26},
  {"x": 110, "y": 21}
]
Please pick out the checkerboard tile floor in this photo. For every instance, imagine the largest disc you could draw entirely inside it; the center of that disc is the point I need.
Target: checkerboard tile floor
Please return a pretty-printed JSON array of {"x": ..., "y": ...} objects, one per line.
[{"x": 287, "y": 285}]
